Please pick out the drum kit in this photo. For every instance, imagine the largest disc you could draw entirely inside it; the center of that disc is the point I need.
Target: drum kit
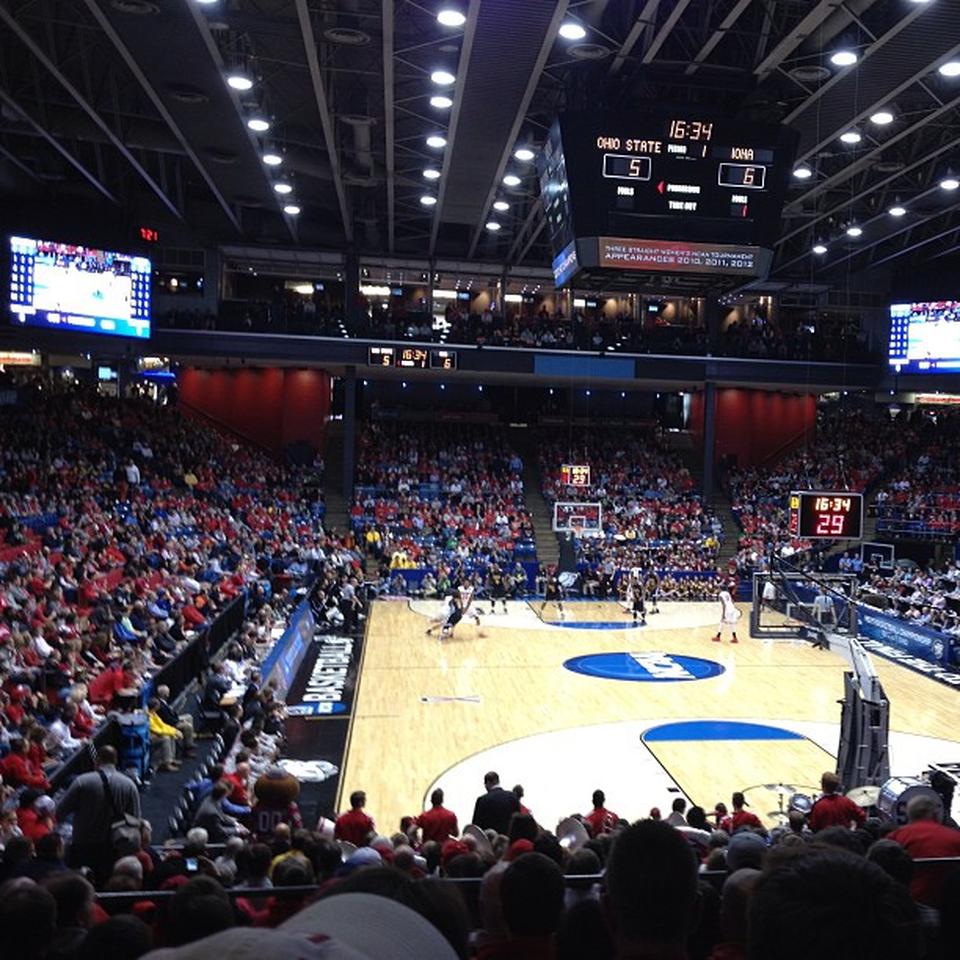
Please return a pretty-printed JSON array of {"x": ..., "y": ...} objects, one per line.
[{"x": 801, "y": 798}]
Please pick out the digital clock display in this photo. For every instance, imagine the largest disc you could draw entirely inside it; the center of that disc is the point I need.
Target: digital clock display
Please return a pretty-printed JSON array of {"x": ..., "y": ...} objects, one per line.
[
  {"x": 823, "y": 515},
  {"x": 412, "y": 358},
  {"x": 575, "y": 474}
]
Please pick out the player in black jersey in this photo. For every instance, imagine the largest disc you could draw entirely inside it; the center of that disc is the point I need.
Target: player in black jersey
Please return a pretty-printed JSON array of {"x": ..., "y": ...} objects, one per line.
[
  {"x": 496, "y": 589},
  {"x": 552, "y": 593},
  {"x": 633, "y": 594},
  {"x": 651, "y": 589}
]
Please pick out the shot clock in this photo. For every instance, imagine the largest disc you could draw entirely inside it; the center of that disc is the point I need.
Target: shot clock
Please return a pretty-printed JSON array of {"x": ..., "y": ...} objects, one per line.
[
  {"x": 575, "y": 474},
  {"x": 826, "y": 515}
]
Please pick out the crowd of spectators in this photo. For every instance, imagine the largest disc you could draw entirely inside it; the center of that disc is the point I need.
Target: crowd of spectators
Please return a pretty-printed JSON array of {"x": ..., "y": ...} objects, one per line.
[
  {"x": 764, "y": 339},
  {"x": 431, "y": 494},
  {"x": 651, "y": 514},
  {"x": 924, "y": 597},
  {"x": 691, "y": 884},
  {"x": 125, "y": 529},
  {"x": 920, "y": 498},
  {"x": 850, "y": 450}
]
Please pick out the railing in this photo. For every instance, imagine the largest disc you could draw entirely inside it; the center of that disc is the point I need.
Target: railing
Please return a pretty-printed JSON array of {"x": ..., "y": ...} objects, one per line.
[
  {"x": 307, "y": 890},
  {"x": 193, "y": 659},
  {"x": 177, "y": 674}
]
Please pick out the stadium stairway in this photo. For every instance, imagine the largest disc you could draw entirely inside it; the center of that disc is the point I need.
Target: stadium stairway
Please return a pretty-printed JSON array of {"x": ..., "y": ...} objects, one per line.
[
  {"x": 682, "y": 444},
  {"x": 337, "y": 513},
  {"x": 548, "y": 547}
]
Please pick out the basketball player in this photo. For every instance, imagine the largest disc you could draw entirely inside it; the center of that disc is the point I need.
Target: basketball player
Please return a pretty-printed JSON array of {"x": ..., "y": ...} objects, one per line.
[
  {"x": 634, "y": 598},
  {"x": 651, "y": 589},
  {"x": 448, "y": 619},
  {"x": 552, "y": 593},
  {"x": 466, "y": 591},
  {"x": 496, "y": 589},
  {"x": 729, "y": 615}
]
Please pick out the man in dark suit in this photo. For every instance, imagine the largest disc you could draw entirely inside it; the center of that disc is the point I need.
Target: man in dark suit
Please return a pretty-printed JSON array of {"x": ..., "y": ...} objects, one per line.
[{"x": 495, "y": 808}]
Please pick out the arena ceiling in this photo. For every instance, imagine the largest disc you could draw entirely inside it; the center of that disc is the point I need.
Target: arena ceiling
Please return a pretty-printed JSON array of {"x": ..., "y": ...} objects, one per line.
[{"x": 125, "y": 102}]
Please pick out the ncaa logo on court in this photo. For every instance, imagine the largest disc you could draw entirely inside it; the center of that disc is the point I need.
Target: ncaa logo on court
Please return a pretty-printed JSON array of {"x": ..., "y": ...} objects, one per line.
[{"x": 645, "y": 666}]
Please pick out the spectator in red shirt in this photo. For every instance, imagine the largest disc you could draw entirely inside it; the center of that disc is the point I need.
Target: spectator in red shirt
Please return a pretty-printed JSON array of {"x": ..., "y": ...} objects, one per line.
[
  {"x": 239, "y": 781},
  {"x": 740, "y": 817},
  {"x": 35, "y": 815},
  {"x": 437, "y": 823},
  {"x": 925, "y": 836},
  {"x": 600, "y": 820},
  {"x": 18, "y": 771},
  {"x": 354, "y": 826},
  {"x": 106, "y": 684},
  {"x": 833, "y": 809}
]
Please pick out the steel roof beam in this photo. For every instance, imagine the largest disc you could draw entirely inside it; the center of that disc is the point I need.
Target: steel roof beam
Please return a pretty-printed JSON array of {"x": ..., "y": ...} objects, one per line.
[
  {"x": 154, "y": 98},
  {"x": 323, "y": 108},
  {"x": 87, "y": 108},
  {"x": 463, "y": 68}
]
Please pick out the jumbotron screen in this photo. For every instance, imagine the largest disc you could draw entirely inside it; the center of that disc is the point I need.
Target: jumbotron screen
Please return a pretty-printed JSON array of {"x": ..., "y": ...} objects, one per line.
[
  {"x": 664, "y": 192},
  {"x": 66, "y": 286},
  {"x": 925, "y": 337}
]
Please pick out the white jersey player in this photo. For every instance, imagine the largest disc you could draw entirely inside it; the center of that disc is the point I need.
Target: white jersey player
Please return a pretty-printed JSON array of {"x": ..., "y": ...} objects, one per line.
[
  {"x": 465, "y": 591},
  {"x": 729, "y": 615}
]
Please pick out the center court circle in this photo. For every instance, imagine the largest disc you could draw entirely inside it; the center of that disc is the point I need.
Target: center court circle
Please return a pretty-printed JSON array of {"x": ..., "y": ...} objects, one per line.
[{"x": 645, "y": 666}]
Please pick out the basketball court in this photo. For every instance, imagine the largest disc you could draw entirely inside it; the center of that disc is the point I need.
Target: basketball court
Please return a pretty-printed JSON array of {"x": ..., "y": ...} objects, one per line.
[{"x": 646, "y": 713}]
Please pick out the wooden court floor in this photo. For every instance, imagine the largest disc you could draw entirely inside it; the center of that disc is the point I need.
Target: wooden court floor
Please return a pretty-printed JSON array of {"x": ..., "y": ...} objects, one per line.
[{"x": 429, "y": 712}]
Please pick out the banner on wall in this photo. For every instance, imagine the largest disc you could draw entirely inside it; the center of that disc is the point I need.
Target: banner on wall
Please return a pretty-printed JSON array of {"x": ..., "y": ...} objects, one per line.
[
  {"x": 921, "y": 643},
  {"x": 283, "y": 661}
]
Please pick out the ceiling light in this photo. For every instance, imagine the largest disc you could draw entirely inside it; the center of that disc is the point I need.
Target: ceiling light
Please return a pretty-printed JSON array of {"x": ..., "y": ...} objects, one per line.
[
  {"x": 442, "y": 78},
  {"x": 897, "y": 210},
  {"x": 881, "y": 118},
  {"x": 844, "y": 58},
  {"x": 572, "y": 31},
  {"x": 493, "y": 226},
  {"x": 950, "y": 69},
  {"x": 427, "y": 200},
  {"x": 501, "y": 205},
  {"x": 819, "y": 249},
  {"x": 803, "y": 172},
  {"x": 524, "y": 154},
  {"x": 441, "y": 102},
  {"x": 949, "y": 182},
  {"x": 239, "y": 81},
  {"x": 436, "y": 141},
  {"x": 851, "y": 136},
  {"x": 451, "y": 18},
  {"x": 291, "y": 210},
  {"x": 854, "y": 231},
  {"x": 283, "y": 188},
  {"x": 272, "y": 159},
  {"x": 511, "y": 180},
  {"x": 258, "y": 124},
  {"x": 431, "y": 174}
]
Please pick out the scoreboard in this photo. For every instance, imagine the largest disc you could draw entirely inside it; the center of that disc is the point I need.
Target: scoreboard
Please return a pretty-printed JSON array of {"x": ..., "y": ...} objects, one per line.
[
  {"x": 666, "y": 192},
  {"x": 412, "y": 358},
  {"x": 575, "y": 474},
  {"x": 822, "y": 515}
]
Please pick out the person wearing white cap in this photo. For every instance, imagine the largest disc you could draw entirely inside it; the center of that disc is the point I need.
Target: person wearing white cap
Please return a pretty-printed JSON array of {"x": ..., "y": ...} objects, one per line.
[{"x": 349, "y": 926}]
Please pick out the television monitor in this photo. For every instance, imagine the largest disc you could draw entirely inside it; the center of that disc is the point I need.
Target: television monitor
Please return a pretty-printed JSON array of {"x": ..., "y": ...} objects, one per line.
[
  {"x": 66, "y": 286},
  {"x": 925, "y": 337},
  {"x": 106, "y": 373}
]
